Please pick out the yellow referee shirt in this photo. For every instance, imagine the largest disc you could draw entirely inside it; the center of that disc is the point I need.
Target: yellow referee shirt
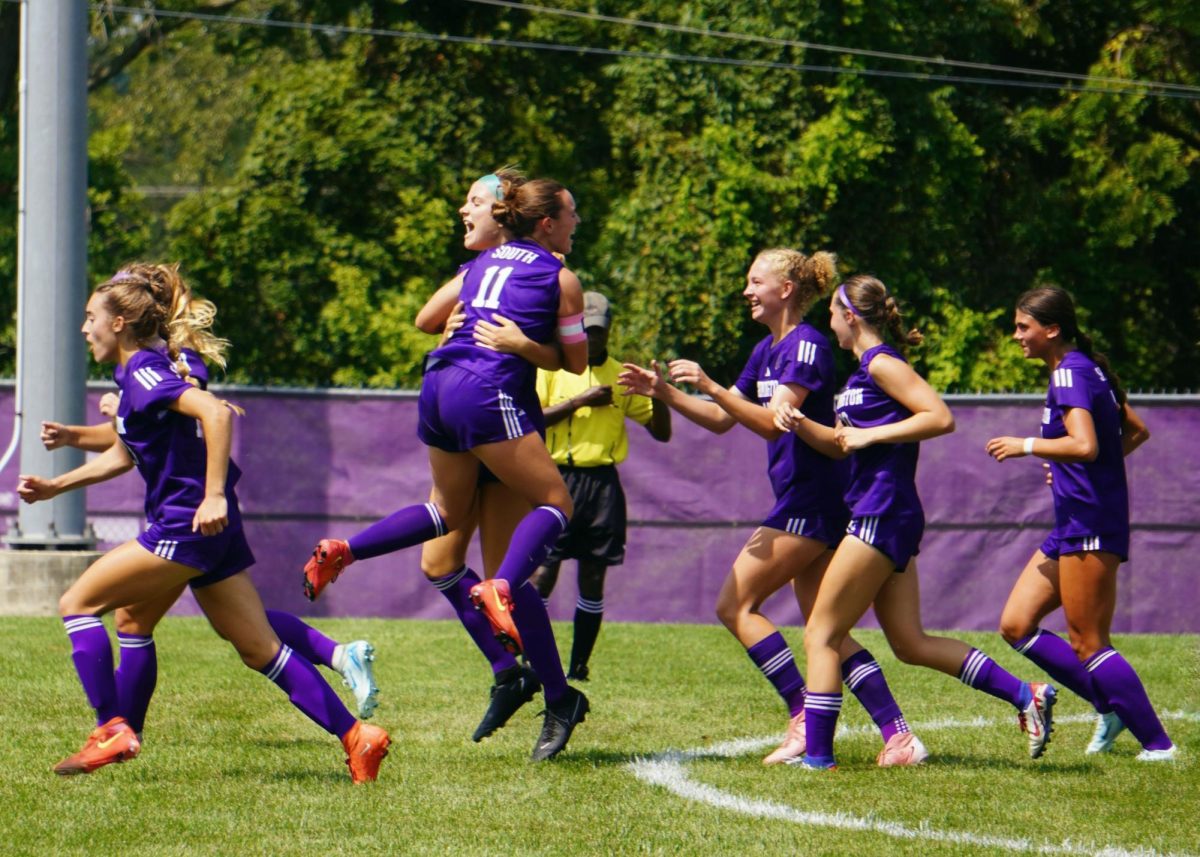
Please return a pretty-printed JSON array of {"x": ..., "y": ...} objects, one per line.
[{"x": 592, "y": 436}]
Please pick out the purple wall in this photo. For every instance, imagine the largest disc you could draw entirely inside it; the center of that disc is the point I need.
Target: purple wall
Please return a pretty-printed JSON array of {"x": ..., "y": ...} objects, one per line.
[{"x": 325, "y": 463}]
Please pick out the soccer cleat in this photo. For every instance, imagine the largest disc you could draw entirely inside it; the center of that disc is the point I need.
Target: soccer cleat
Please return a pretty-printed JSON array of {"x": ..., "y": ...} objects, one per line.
[
  {"x": 1167, "y": 755},
  {"x": 366, "y": 746},
  {"x": 793, "y": 744},
  {"x": 814, "y": 763},
  {"x": 561, "y": 720},
  {"x": 495, "y": 600},
  {"x": 903, "y": 748},
  {"x": 329, "y": 559},
  {"x": 579, "y": 672},
  {"x": 506, "y": 698},
  {"x": 113, "y": 742},
  {"x": 1108, "y": 727},
  {"x": 1037, "y": 720},
  {"x": 353, "y": 662}
]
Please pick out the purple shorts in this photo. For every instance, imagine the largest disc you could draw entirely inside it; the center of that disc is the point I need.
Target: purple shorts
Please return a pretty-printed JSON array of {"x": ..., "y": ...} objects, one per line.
[
  {"x": 216, "y": 557},
  {"x": 897, "y": 535},
  {"x": 458, "y": 411},
  {"x": 812, "y": 524},
  {"x": 1055, "y": 545}
]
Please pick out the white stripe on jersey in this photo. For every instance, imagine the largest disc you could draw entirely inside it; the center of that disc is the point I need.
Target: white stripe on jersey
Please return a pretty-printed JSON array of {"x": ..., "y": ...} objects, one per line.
[
  {"x": 807, "y": 352},
  {"x": 1063, "y": 378},
  {"x": 147, "y": 377}
]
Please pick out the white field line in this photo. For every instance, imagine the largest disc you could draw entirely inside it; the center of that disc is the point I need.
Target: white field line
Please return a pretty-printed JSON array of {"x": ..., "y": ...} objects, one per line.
[{"x": 670, "y": 771}]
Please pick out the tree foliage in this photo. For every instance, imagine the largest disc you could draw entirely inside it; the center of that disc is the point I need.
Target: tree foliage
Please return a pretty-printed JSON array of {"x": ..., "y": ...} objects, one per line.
[{"x": 322, "y": 169}]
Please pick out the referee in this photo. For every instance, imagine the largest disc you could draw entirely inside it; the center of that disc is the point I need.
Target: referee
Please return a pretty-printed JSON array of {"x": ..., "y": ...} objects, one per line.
[{"x": 585, "y": 432}]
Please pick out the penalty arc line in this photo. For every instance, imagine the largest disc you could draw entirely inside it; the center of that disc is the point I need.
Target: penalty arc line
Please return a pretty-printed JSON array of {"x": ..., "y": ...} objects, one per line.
[{"x": 669, "y": 770}]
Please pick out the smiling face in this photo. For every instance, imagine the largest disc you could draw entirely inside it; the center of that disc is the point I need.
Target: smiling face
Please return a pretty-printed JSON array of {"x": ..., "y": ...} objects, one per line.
[
  {"x": 101, "y": 329},
  {"x": 766, "y": 292},
  {"x": 559, "y": 231},
  {"x": 841, "y": 323},
  {"x": 1036, "y": 339},
  {"x": 482, "y": 231}
]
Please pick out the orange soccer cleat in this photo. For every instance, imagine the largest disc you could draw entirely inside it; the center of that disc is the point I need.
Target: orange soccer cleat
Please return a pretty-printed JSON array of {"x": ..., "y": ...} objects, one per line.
[
  {"x": 366, "y": 746},
  {"x": 494, "y": 598},
  {"x": 793, "y": 743},
  {"x": 329, "y": 559},
  {"x": 115, "y": 741}
]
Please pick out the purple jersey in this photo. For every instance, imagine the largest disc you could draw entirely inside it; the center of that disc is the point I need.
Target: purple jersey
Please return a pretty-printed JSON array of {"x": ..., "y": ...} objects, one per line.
[
  {"x": 882, "y": 476},
  {"x": 518, "y": 280},
  {"x": 167, "y": 447},
  {"x": 802, "y": 357},
  {"x": 1090, "y": 497}
]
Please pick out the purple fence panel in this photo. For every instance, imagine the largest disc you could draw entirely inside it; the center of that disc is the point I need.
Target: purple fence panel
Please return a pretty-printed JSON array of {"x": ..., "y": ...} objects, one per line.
[{"x": 324, "y": 463}]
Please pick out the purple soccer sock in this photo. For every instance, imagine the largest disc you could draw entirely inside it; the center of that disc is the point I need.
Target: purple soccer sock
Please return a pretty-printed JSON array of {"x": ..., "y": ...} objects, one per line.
[
  {"x": 92, "y": 653},
  {"x": 405, "y": 528},
  {"x": 820, "y": 722},
  {"x": 303, "y": 638},
  {"x": 136, "y": 678},
  {"x": 775, "y": 661},
  {"x": 306, "y": 690},
  {"x": 982, "y": 673},
  {"x": 537, "y": 639},
  {"x": 862, "y": 675},
  {"x": 531, "y": 541},
  {"x": 456, "y": 586},
  {"x": 1054, "y": 655},
  {"x": 1115, "y": 681}
]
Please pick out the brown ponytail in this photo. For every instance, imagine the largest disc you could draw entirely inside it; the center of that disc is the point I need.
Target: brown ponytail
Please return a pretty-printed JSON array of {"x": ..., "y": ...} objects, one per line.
[
  {"x": 874, "y": 305},
  {"x": 530, "y": 202}
]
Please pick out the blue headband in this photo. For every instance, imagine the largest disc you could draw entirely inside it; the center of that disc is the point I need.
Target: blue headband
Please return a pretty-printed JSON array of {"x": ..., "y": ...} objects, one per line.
[
  {"x": 845, "y": 300},
  {"x": 494, "y": 185}
]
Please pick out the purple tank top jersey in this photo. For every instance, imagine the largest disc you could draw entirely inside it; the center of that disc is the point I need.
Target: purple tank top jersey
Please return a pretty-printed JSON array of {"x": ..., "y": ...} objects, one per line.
[
  {"x": 518, "y": 280},
  {"x": 167, "y": 447},
  {"x": 803, "y": 357},
  {"x": 882, "y": 476},
  {"x": 1090, "y": 497}
]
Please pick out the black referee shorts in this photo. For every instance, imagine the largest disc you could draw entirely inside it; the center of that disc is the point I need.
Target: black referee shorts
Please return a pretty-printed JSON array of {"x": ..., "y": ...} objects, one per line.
[{"x": 597, "y": 528}]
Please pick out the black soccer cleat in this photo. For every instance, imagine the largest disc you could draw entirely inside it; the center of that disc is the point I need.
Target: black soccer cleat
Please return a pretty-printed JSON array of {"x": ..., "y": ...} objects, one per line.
[
  {"x": 561, "y": 720},
  {"x": 507, "y": 697}
]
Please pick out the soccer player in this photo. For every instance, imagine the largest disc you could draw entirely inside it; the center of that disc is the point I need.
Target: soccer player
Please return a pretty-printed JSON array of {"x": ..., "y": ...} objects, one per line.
[
  {"x": 137, "y": 673},
  {"x": 470, "y": 413},
  {"x": 178, "y": 437},
  {"x": 1087, "y": 430},
  {"x": 792, "y": 364},
  {"x": 587, "y": 439},
  {"x": 884, "y": 410}
]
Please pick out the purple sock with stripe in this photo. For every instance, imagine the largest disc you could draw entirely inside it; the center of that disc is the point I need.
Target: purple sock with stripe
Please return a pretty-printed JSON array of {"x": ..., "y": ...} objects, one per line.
[
  {"x": 456, "y": 586},
  {"x": 410, "y": 526},
  {"x": 306, "y": 690},
  {"x": 982, "y": 673},
  {"x": 537, "y": 639},
  {"x": 303, "y": 638},
  {"x": 1114, "y": 680},
  {"x": 862, "y": 674},
  {"x": 1054, "y": 655},
  {"x": 91, "y": 651},
  {"x": 774, "y": 660},
  {"x": 531, "y": 541},
  {"x": 820, "y": 722},
  {"x": 136, "y": 677}
]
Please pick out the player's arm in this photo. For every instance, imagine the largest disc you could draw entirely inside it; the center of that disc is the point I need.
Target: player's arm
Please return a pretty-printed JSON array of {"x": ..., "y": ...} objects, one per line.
[
  {"x": 642, "y": 381},
  {"x": 95, "y": 438},
  {"x": 570, "y": 323},
  {"x": 1133, "y": 430},
  {"x": 785, "y": 405},
  {"x": 1079, "y": 444},
  {"x": 111, "y": 462},
  {"x": 660, "y": 421},
  {"x": 216, "y": 419},
  {"x": 504, "y": 335},
  {"x": 432, "y": 317},
  {"x": 930, "y": 415}
]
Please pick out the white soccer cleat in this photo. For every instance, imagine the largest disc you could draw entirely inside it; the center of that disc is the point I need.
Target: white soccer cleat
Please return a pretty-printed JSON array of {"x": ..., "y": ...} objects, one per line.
[
  {"x": 1037, "y": 720},
  {"x": 1168, "y": 755},
  {"x": 1108, "y": 727},
  {"x": 903, "y": 748},
  {"x": 353, "y": 662}
]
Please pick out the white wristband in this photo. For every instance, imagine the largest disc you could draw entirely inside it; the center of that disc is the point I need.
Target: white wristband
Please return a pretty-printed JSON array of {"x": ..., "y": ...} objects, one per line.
[{"x": 1027, "y": 447}]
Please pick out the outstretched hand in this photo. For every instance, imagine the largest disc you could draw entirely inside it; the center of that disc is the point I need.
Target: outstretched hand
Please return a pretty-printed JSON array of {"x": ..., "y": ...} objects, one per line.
[{"x": 640, "y": 381}]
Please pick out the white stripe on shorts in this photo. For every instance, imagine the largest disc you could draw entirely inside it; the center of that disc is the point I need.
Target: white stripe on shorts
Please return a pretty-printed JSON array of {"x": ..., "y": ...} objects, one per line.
[{"x": 512, "y": 424}]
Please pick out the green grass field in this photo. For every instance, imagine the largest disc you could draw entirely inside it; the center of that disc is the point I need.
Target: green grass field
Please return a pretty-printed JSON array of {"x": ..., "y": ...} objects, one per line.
[{"x": 229, "y": 767}]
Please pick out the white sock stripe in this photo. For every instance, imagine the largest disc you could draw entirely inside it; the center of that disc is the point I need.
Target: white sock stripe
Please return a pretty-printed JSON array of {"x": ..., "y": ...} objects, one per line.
[
  {"x": 134, "y": 642},
  {"x": 562, "y": 519},
  {"x": 776, "y": 662},
  {"x": 971, "y": 667},
  {"x": 823, "y": 702},
  {"x": 281, "y": 659},
  {"x": 860, "y": 674},
  {"x": 444, "y": 583},
  {"x": 438, "y": 524},
  {"x": 1100, "y": 659},
  {"x": 1029, "y": 643},
  {"x": 587, "y": 606},
  {"x": 82, "y": 623}
]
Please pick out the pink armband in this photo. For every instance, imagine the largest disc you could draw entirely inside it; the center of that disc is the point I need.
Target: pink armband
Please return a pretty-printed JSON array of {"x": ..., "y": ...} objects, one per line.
[{"x": 570, "y": 328}]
